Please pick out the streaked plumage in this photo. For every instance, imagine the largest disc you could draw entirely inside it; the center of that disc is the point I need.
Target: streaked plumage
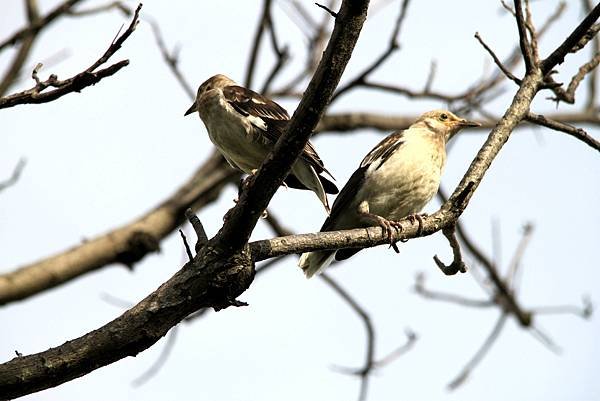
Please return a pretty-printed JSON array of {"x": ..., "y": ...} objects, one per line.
[
  {"x": 245, "y": 125},
  {"x": 396, "y": 179}
]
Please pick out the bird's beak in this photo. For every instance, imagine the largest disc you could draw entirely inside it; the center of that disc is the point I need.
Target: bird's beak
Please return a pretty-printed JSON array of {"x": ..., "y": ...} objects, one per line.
[
  {"x": 193, "y": 108},
  {"x": 467, "y": 123}
]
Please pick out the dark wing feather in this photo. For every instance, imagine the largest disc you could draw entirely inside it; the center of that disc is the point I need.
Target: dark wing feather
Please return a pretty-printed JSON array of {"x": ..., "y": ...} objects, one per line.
[
  {"x": 345, "y": 197},
  {"x": 249, "y": 103},
  {"x": 383, "y": 150}
]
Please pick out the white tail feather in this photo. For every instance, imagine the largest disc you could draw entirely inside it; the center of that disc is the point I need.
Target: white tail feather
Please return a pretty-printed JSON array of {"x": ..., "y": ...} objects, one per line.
[
  {"x": 309, "y": 177},
  {"x": 314, "y": 262}
]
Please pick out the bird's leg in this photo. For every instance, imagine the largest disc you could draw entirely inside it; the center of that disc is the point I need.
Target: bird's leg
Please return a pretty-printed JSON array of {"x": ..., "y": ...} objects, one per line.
[
  {"x": 373, "y": 219},
  {"x": 419, "y": 218}
]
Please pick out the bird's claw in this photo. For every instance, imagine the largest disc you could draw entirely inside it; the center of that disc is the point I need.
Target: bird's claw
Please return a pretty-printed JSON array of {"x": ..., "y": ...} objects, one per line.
[
  {"x": 387, "y": 226},
  {"x": 418, "y": 218}
]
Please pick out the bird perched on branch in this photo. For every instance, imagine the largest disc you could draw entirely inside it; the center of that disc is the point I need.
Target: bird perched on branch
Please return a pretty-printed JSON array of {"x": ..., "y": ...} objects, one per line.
[
  {"x": 396, "y": 179},
  {"x": 244, "y": 126}
]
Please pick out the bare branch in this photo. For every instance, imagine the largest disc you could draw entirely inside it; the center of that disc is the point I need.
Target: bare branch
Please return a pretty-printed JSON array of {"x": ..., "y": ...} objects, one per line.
[
  {"x": 524, "y": 42},
  {"x": 116, "y": 5},
  {"x": 89, "y": 77},
  {"x": 282, "y": 54},
  {"x": 262, "y": 23},
  {"x": 370, "y": 355},
  {"x": 558, "y": 55},
  {"x": 171, "y": 58},
  {"x": 127, "y": 244},
  {"x": 474, "y": 361},
  {"x": 14, "y": 176},
  {"x": 564, "y": 127},
  {"x": 585, "y": 311},
  {"x": 360, "y": 80},
  {"x": 515, "y": 263},
  {"x": 568, "y": 95},
  {"x": 505, "y": 70},
  {"x": 39, "y": 24},
  {"x": 198, "y": 228},
  {"x": 457, "y": 264},
  {"x": 331, "y": 12},
  {"x": 420, "y": 289},
  {"x": 188, "y": 251},
  {"x": 14, "y": 69},
  {"x": 161, "y": 361}
]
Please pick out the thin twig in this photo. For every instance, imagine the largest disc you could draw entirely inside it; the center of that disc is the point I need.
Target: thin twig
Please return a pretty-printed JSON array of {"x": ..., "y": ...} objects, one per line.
[
  {"x": 515, "y": 263},
  {"x": 483, "y": 350},
  {"x": 330, "y": 11},
  {"x": 39, "y": 24},
  {"x": 564, "y": 127},
  {"x": 198, "y": 228},
  {"x": 393, "y": 45},
  {"x": 505, "y": 70},
  {"x": 558, "y": 55},
  {"x": 262, "y": 23},
  {"x": 370, "y": 355},
  {"x": 420, "y": 289},
  {"x": 171, "y": 58},
  {"x": 457, "y": 264},
  {"x": 16, "y": 174},
  {"x": 187, "y": 246},
  {"x": 160, "y": 362},
  {"x": 89, "y": 77}
]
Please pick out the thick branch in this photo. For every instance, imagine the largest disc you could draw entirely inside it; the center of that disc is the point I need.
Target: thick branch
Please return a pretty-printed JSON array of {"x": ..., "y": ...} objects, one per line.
[{"x": 127, "y": 244}]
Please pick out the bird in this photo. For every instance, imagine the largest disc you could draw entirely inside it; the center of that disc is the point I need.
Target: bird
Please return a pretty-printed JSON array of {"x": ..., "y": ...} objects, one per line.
[
  {"x": 245, "y": 125},
  {"x": 396, "y": 179}
]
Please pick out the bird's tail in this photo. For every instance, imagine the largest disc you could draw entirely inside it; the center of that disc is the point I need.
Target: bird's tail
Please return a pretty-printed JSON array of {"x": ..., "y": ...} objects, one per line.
[
  {"x": 307, "y": 175},
  {"x": 314, "y": 262}
]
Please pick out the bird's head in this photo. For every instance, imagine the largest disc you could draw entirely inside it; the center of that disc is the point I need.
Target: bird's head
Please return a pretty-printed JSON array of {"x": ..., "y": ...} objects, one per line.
[
  {"x": 218, "y": 81},
  {"x": 444, "y": 122}
]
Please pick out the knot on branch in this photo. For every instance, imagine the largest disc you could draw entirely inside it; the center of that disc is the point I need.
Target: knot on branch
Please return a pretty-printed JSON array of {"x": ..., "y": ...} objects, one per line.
[
  {"x": 227, "y": 277},
  {"x": 139, "y": 244}
]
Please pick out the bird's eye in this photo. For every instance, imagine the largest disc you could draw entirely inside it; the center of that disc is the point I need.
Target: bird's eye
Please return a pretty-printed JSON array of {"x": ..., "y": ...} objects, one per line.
[{"x": 443, "y": 116}]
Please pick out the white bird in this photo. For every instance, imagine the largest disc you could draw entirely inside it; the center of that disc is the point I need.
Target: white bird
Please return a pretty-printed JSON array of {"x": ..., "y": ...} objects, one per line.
[
  {"x": 396, "y": 179},
  {"x": 244, "y": 126}
]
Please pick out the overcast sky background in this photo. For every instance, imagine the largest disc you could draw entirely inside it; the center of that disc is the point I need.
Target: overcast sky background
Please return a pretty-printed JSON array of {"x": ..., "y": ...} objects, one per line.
[{"x": 98, "y": 159}]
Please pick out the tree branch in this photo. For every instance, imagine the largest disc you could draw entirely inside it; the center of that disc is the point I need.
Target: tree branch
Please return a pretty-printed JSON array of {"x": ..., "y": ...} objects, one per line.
[
  {"x": 76, "y": 83},
  {"x": 558, "y": 55},
  {"x": 14, "y": 176},
  {"x": 563, "y": 127},
  {"x": 16, "y": 65},
  {"x": 127, "y": 244},
  {"x": 39, "y": 24}
]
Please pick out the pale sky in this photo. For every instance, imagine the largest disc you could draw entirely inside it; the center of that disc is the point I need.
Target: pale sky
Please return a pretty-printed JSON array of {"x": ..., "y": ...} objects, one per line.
[{"x": 98, "y": 159}]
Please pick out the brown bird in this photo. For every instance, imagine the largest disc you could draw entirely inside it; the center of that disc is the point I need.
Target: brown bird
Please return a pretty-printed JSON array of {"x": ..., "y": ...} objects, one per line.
[
  {"x": 244, "y": 126},
  {"x": 396, "y": 179}
]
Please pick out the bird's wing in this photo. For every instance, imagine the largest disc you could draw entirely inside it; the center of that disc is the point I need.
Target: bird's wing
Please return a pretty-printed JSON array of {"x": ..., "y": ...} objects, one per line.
[
  {"x": 383, "y": 150},
  {"x": 269, "y": 118},
  {"x": 376, "y": 157}
]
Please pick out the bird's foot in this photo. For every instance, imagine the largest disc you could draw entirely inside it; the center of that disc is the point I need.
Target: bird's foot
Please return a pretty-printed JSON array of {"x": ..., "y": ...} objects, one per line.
[
  {"x": 418, "y": 217},
  {"x": 387, "y": 226}
]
